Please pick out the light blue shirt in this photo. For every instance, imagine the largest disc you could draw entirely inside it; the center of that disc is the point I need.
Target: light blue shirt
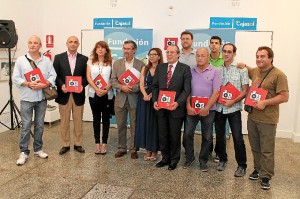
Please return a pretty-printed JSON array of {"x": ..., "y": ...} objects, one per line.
[
  {"x": 189, "y": 60},
  {"x": 238, "y": 78},
  {"x": 22, "y": 67}
]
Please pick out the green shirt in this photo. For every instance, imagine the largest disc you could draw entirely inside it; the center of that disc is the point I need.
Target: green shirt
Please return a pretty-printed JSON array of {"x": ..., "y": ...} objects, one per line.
[{"x": 218, "y": 62}]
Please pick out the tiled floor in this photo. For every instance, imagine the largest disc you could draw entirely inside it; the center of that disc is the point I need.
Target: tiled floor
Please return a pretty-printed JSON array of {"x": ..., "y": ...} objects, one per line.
[{"x": 75, "y": 175}]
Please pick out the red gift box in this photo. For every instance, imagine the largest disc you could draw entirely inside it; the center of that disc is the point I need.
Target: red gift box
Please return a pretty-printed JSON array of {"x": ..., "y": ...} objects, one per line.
[
  {"x": 165, "y": 99},
  {"x": 35, "y": 75},
  {"x": 254, "y": 95},
  {"x": 73, "y": 84},
  {"x": 128, "y": 78},
  {"x": 199, "y": 103},
  {"x": 100, "y": 82},
  {"x": 228, "y": 92}
]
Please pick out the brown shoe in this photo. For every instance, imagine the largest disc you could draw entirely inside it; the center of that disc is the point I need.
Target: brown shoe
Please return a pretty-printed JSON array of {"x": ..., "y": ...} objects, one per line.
[
  {"x": 120, "y": 153},
  {"x": 134, "y": 155}
]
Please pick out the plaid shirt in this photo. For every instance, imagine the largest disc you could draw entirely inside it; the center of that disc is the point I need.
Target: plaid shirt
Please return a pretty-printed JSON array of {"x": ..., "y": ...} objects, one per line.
[{"x": 237, "y": 77}]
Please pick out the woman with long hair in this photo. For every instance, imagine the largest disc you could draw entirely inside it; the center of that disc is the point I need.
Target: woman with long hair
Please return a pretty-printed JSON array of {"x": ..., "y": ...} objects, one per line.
[
  {"x": 99, "y": 68},
  {"x": 146, "y": 132}
]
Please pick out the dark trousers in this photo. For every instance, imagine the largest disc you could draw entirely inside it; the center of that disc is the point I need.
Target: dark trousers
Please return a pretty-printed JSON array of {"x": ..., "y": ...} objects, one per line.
[
  {"x": 169, "y": 131},
  {"x": 206, "y": 129},
  {"x": 100, "y": 109},
  {"x": 235, "y": 122}
]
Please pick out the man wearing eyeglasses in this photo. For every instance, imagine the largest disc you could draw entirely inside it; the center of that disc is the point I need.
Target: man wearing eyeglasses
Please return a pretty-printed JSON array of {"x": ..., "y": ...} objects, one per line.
[
  {"x": 230, "y": 110},
  {"x": 126, "y": 98}
]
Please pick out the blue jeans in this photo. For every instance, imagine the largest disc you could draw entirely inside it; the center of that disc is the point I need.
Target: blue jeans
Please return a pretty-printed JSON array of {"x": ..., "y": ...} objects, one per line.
[
  {"x": 235, "y": 122},
  {"x": 26, "y": 112},
  {"x": 206, "y": 129}
]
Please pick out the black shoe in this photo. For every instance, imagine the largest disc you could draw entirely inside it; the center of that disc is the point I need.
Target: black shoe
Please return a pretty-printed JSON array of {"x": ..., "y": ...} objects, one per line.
[
  {"x": 254, "y": 175},
  {"x": 188, "y": 164},
  {"x": 79, "y": 149},
  {"x": 64, "y": 150},
  {"x": 265, "y": 183},
  {"x": 161, "y": 164},
  {"x": 172, "y": 166}
]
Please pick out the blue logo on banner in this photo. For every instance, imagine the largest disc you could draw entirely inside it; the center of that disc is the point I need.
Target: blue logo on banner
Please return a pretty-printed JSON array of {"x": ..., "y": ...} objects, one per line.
[
  {"x": 238, "y": 23},
  {"x": 101, "y": 23},
  {"x": 218, "y": 22},
  {"x": 245, "y": 23},
  {"x": 115, "y": 38}
]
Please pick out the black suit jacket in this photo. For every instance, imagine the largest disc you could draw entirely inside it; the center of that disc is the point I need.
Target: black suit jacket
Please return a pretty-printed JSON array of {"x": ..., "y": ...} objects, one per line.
[
  {"x": 180, "y": 83},
  {"x": 62, "y": 68}
]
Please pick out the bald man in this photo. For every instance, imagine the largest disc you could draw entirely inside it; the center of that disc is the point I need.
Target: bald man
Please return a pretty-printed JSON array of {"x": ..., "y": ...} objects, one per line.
[
  {"x": 209, "y": 78},
  {"x": 70, "y": 63},
  {"x": 32, "y": 97}
]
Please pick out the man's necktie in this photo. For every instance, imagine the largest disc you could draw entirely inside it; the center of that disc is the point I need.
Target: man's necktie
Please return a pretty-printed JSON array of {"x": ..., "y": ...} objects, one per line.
[{"x": 169, "y": 75}]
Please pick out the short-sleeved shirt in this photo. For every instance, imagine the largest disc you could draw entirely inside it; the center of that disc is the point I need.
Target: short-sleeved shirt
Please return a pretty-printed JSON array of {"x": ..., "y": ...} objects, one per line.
[
  {"x": 275, "y": 82},
  {"x": 218, "y": 62},
  {"x": 189, "y": 60},
  {"x": 205, "y": 82},
  {"x": 238, "y": 78}
]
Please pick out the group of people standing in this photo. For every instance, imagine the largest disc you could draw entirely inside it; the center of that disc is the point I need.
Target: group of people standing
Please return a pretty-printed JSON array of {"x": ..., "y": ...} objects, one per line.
[{"x": 188, "y": 72}]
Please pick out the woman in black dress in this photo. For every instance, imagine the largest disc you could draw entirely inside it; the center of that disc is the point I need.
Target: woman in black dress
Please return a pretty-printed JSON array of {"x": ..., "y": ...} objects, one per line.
[{"x": 146, "y": 132}]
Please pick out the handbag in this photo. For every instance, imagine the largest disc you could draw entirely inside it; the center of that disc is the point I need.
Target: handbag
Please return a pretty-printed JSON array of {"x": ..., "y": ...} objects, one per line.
[
  {"x": 248, "y": 108},
  {"x": 111, "y": 104},
  {"x": 50, "y": 91}
]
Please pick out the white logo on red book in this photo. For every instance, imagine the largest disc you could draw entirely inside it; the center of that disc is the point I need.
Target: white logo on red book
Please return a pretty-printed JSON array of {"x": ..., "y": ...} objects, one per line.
[
  {"x": 34, "y": 77},
  {"x": 227, "y": 95},
  {"x": 127, "y": 80},
  {"x": 73, "y": 83},
  {"x": 98, "y": 83},
  {"x": 198, "y": 104},
  {"x": 255, "y": 96},
  {"x": 165, "y": 99}
]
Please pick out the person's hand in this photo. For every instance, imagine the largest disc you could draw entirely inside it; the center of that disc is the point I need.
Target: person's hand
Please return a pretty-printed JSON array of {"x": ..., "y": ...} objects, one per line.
[
  {"x": 155, "y": 106},
  {"x": 174, "y": 106},
  {"x": 63, "y": 88},
  {"x": 260, "y": 105},
  {"x": 126, "y": 88},
  {"x": 241, "y": 65},
  {"x": 203, "y": 112},
  {"x": 191, "y": 111},
  {"x": 147, "y": 97},
  {"x": 101, "y": 92},
  {"x": 37, "y": 85},
  {"x": 228, "y": 103}
]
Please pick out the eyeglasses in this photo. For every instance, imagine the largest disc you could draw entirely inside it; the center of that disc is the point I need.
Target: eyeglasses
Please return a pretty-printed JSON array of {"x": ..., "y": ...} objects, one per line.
[
  {"x": 151, "y": 55},
  {"x": 227, "y": 51}
]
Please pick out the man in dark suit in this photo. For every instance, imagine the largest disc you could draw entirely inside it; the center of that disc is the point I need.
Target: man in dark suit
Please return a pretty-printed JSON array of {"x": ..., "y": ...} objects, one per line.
[
  {"x": 170, "y": 120},
  {"x": 70, "y": 63},
  {"x": 126, "y": 98}
]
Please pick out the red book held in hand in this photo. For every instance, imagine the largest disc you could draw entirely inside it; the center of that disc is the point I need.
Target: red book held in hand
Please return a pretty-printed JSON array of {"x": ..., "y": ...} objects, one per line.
[
  {"x": 199, "y": 103},
  {"x": 73, "y": 84},
  {"x": 165, "y": 99},
  {"x": 228, "y": 92},
  {"x": 128, "y": 78},
  {"x": 35, "y": 75},
  {"x": 254, "y": 95},
  {"x": 100, "y": 82}
]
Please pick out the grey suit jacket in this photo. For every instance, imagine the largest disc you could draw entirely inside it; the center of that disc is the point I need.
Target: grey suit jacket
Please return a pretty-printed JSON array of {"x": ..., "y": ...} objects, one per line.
[
  {"x": 180, "y": 83},
  {"x": 118, "y": 69}
]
